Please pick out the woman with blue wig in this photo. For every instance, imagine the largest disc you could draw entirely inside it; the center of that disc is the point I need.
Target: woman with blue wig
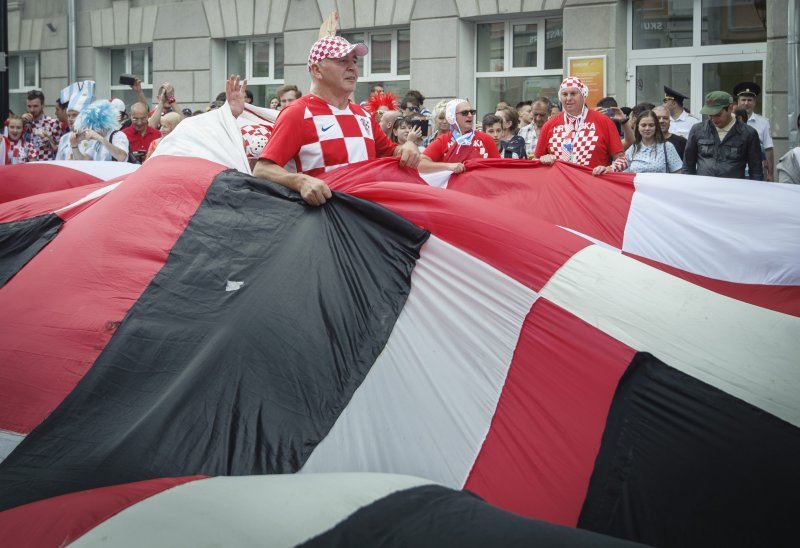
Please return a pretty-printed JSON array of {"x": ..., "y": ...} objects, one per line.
[{"x": 96, "y": 134}]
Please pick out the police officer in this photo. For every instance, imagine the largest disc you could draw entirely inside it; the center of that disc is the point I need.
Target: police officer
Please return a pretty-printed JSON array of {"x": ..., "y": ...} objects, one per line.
[
  {"x": 680, "y": 120},
  {"x": 745, "y": 93}
]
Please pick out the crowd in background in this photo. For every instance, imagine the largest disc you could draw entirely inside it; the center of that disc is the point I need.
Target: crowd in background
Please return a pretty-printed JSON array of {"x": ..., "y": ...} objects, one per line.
[{"x": 653, "y": 137}]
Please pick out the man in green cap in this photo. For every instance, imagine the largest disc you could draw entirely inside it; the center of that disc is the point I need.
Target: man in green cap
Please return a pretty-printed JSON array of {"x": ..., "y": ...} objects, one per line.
[{"x": 722, "y": 146}]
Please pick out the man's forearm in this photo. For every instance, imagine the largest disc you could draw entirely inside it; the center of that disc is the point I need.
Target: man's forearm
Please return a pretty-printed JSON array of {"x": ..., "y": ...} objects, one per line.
[
  {"x": 117, "y": 153},
  {"x": 155, "y": 120},
  {"x": 769, "y": 164},
  {"x": 273, "y": 172}
]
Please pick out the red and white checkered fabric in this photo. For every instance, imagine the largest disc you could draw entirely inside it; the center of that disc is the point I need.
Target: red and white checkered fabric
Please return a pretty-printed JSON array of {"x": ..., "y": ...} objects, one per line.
[
  {"x": 18, "y": 152},
  {"x": 333, "y": 47},
  {"x": 594, "y": 144},
  {"x": 573, "y": 82},
  {"x": 313, "y": 137},
  {"x": 255, "y": 138},
  {"x": 50, "y": 126},
  {"x": 583, "y": 142}
]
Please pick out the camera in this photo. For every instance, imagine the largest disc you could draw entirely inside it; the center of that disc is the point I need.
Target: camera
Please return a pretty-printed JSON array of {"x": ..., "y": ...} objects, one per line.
[
  {"x": 127, "y": 79},
  {"x": 421, "y": 124}
]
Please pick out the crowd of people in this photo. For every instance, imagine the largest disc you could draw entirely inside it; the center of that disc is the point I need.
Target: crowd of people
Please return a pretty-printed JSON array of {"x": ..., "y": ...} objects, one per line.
[{"x": 733, "y": 142}]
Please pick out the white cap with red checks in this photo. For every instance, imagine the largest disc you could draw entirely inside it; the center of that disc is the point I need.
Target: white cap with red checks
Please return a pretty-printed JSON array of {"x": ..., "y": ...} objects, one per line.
[
  {"x": 333, "y": 47},
  {"x": 573, "y": 82}
]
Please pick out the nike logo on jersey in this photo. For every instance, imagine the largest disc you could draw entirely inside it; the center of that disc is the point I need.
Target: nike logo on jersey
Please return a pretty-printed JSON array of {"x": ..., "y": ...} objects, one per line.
[{"x": 324, "y": 129}]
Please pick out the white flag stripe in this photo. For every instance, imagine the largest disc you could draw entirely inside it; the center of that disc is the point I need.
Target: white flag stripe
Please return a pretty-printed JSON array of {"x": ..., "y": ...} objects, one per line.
[
  {"x": 728, "y": 229},
  {"x": 426, "y": 406},
  {"x": 744, "y": 350},
  {"x": 279, "y": 510},
  {"x": 102, "y": 170},
  {"x": 91, "y": 196},
  {"x": 9, "y": 442},
  {"x": 213, "y": 136}
]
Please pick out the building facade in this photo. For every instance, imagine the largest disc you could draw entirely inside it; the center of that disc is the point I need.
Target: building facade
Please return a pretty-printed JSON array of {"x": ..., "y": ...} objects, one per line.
[{"x": 485, "y": 50}]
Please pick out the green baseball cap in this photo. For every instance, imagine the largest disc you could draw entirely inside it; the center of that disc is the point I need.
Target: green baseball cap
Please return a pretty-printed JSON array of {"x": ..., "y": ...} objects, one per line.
[{"x": 715, "y": 102}]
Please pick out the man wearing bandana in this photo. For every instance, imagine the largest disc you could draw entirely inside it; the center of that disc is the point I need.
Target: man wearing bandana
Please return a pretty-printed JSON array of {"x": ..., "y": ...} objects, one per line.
[{"x": 580, "y": 136}]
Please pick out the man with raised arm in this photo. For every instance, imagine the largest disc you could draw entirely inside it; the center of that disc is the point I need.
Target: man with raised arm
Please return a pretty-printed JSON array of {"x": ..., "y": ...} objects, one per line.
[{"x": 324, "y": 129}]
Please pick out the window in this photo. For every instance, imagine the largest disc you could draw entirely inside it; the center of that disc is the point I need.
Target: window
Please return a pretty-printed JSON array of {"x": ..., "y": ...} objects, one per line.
[
  {"x": 694, "y": 46},
  {"x": 260, "y": 60},
  {"x": 136, "y": 60},
  {"x": 388, "y": 61},
  {"x": 734, "y": 22},
  {"x": 662, "y": 23},
  {"x": 517, "y": 61},
  {"x": 23, "y": 76}
]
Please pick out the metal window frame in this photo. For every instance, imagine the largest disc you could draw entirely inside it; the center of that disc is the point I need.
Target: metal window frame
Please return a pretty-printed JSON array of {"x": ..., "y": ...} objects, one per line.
[
  {"x": 508, "y": 52},
  {"x": 37, "y": 73},
  {"x": 252, "y": 80},
  {"x": 367, "y": 76},
  {"x": 697, "y": 55},
  {"x": 146, "y": 84}
]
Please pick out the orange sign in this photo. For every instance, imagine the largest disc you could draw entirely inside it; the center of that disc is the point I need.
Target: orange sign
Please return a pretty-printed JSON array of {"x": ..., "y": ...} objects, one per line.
[{"x": 592, "y": 72}]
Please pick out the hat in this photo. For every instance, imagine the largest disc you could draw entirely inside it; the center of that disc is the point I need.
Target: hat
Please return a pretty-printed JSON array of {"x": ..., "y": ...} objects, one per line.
[
  {"x": 715, "y": 102},
  {"x": 450, "y": 110},
  {"x": 77, "y": 95},
  {"x": 333, "y": 47},
  {"x": 747, "y": 89},
  {"x": 117, "y": 104},
  {"x": 573, "y": 82},
  {"x": 187, "y": 112},
  {"x": 671, "y": 94}
]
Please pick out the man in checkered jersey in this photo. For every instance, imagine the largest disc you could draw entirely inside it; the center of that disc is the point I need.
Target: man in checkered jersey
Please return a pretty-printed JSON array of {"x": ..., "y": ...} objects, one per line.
[
  {"x": 324, "y": 129},
  {"x": 580, "y": 136}
]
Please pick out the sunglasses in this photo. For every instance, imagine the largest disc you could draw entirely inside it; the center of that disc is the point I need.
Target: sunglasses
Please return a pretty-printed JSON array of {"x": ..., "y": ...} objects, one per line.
[{"x": 467, "y": 112}]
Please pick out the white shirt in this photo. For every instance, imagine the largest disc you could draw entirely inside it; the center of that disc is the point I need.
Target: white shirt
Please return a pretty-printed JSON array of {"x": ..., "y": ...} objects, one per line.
[
  {"x": 97, "y": 152},
  {"x": 682, "y": 124},
  {"x": 761, "y": 125},
  {"x": 530, "y": 135}
]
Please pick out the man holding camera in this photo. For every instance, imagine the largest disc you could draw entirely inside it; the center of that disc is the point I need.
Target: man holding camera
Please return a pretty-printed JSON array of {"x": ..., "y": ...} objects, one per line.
[{"x": 139, "y": 133}]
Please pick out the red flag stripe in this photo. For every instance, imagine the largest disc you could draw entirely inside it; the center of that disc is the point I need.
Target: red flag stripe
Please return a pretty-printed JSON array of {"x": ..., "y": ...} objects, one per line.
[
  {"x": 59, "y": 521},
  {"x": 47, "y": 348},
  {"x": 559, "y": 388}
]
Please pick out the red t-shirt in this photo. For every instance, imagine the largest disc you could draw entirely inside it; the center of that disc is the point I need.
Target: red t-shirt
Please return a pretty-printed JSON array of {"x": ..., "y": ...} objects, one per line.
[
  {"x": 594, "y": 144},
  {"x": 312, "y": 137},
  {"x": 140, "y": 142},
  {"x": 444, "y": 149}
]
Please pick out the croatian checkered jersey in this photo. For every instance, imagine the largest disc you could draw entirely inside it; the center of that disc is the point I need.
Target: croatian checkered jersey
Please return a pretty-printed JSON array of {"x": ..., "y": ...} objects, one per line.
[
  {"x": 16, "y": 152},
  {"x": 50, "y": 126},
  {"x": 592, "y": 144},
  {"x": 313, "y": 137}
]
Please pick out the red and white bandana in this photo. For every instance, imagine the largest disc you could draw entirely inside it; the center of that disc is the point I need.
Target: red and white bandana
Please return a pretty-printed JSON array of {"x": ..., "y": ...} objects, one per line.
[
  {"x": 333, "y": 47},
  {"x": 573, "y": 82}
]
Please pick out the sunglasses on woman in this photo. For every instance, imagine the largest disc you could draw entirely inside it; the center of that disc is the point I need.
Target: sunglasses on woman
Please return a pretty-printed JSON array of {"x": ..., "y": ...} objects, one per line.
[{"x": 467, "y": 112}]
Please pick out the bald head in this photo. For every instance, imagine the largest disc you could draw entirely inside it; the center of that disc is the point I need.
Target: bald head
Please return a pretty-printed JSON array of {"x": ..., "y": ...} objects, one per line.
[{"x": 139, "y": 117}]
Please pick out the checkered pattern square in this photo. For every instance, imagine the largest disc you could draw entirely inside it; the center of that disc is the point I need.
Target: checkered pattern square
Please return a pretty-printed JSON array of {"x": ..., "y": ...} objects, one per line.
[
  {"x": 583, "y": 143},
  {"x": 333, "y": 47},
  {"x": 255, "y": 138},
  {"x": 17, "y": 152},
  {"x": 337, "y": 137},
  {"x": 50, "y": 126}
]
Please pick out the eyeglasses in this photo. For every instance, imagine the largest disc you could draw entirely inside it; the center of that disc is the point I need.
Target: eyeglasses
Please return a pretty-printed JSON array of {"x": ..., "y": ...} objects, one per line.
[{"x": 467, "y": 112}]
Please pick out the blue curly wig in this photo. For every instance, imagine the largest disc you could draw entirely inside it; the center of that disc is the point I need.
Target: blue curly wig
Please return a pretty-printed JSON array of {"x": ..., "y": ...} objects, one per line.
[{"x": 100, "y": 116}]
